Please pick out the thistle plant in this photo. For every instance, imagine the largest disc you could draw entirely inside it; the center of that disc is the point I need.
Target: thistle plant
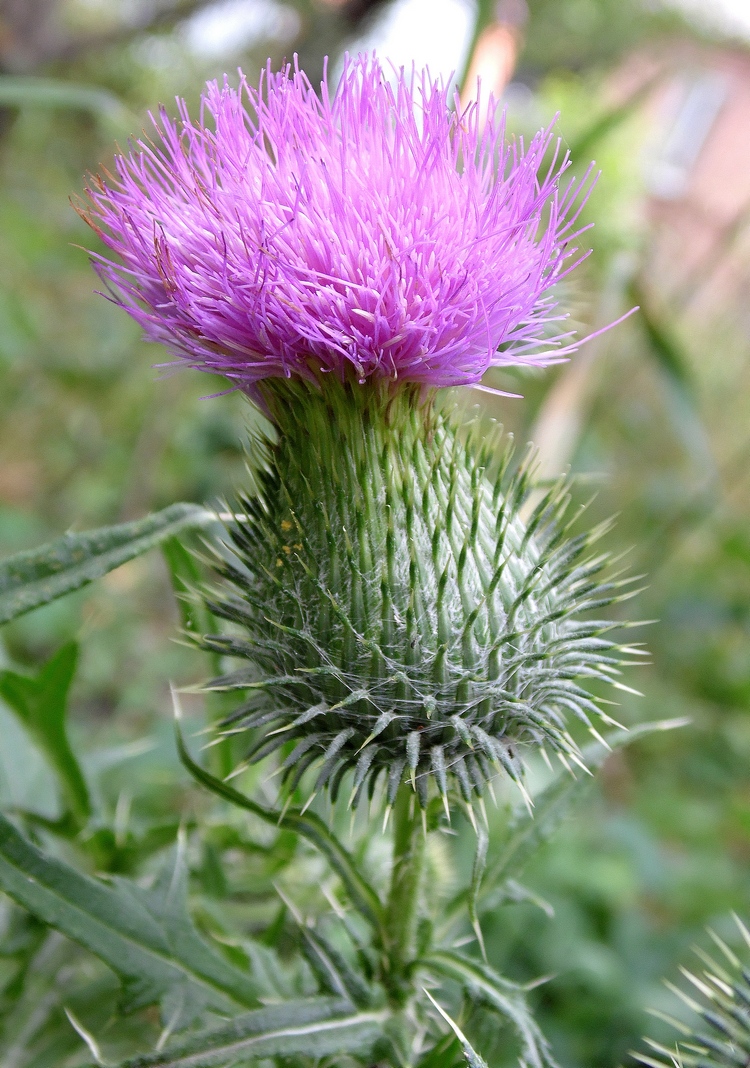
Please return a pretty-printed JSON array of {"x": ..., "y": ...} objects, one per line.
[
  {"x": 406, "y": 615},
  {"x": 340, "y": 260}
]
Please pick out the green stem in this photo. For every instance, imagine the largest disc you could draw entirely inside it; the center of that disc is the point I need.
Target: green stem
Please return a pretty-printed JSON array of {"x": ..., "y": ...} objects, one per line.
[
  {"x": 485, "y": 15},
  {"x": 402, "y": 910}
]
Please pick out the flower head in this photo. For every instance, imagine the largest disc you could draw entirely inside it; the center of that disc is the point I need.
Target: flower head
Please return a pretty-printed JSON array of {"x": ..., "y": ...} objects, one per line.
[{"x": 375, "y": 233}]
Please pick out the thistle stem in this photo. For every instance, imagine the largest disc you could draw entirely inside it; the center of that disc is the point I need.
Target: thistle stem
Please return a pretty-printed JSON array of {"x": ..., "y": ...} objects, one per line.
[{"x": 402, "y": 910}]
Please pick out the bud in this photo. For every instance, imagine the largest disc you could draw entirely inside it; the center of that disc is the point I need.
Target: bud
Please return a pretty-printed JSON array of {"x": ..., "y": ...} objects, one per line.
[{"x": 399, "y": 619}]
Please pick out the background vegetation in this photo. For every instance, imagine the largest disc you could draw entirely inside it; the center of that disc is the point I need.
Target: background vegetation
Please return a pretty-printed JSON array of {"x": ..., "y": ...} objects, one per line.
[{"x": 657, "y": 425}]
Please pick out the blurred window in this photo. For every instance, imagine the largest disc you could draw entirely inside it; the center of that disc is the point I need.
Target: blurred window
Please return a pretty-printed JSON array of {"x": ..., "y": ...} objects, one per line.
[{"x": 699, "y": 99}]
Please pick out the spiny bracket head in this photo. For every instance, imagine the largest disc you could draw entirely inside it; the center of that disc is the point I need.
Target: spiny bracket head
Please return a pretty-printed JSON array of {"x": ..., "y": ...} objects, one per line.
[{"x": 429, "y": 644}]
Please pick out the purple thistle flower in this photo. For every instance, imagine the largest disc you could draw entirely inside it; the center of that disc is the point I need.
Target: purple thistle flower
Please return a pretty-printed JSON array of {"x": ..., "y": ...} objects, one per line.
[{"x": 377, "y": 233}]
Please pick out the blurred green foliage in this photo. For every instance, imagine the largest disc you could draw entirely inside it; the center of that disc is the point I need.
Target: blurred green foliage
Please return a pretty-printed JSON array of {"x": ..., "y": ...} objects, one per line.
[{"x": 92, "y": 434}]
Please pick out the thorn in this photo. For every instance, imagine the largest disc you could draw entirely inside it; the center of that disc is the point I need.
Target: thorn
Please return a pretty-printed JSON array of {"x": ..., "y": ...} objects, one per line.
[
  {"x": 678, "y": 1026},
  {"x": 625, "y": 689},
  {"x": 453, "y": 1026},
  {"x": 480, "y": 939},
  {"x": 725, "y": 988},
  {"x": 220, "y": 737},
  {"x": 690, "y": 1002},
  {"x": 424, "y": 821},
  {"x": 611, "y": 722},
  {"x": 602, "y": 741},
  {"x": 491, "y": 789},
  {"x": 707, "y": 992},
  {"x": 472, "y": 817},
  {"x": 540, "y": 981},
  {"x": 307, "y": 803},
  {"x": 458, "y": 943},
  {"x": 526, "y": 796},
  {"x": 87, "y": 1038},
  {"x": 170, "y": 1026},
  {"x": 546, "y": 759},
  {"x": 296, "y": 914},
  {"x": 446, "y": 807},
  {"x": 367, "y": 741},
  {"x": 237, "y": 771},
  {"x": 743, "y": 930},
  {"x": 565, "y": 764},
  {"x": 177, "y": 712},
  {"x": 211, "y": 729},
  {"x": 483, "y": 810},
  {"x": 733, "y": 960},
  {"x": 335, "y": 906},
  {"x": 273, "y": 774},
  {"x": 580, "y": 763},
  {"x": 386, "y": 817},
  {"x": 279, "y": 730},
  {"x": 285, "y": 806}
]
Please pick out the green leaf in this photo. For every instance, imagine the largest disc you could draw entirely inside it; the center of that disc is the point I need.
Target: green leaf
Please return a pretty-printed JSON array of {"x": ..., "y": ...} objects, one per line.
[
  {"x": 41, "y": 705},
  {"x": 37, "y": 576},
  {"x": 505, "y": 997},
  {"x": 186, "y": 579},
  {"x": 529, "y": 831},
  {"x": 145, "y": 935},
  {"x": 471, "y": 1056},
  {"x": 50, "y": 92},
  {"x": 332, "y": 969},
  {"x": 319, "y": 1027},
  {"x": 669, "y": 353},
  {"x": 310, "y": 826},
  {"x": 477, "y": 871},
  {"x": 517, "y": 892},
  {"x": 445, "y": 1054},
  {"x": 587, "y": 142}
]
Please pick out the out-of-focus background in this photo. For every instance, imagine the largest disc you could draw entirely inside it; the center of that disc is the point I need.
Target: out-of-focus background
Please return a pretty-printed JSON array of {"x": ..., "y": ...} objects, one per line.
[{"x": 653, "y": 418}]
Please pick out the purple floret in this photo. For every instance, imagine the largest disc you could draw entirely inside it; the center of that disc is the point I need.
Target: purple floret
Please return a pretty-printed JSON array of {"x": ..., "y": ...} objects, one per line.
[{"x": 377, "y": 233}]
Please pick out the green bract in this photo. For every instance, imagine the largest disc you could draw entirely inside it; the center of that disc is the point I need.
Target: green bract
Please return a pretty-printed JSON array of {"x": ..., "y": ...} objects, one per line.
[
  {"x": 397, "y": 614},
  {"x": 718, "y": 1036}
]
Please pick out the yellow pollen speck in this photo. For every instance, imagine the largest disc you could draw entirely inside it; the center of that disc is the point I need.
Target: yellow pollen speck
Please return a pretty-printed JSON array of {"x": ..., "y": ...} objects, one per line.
[
  {"x": 286, "y": 549},
  {"x": 298, "y": 545},
  {"x": 279, "y": 562},
  {"x": 286, "y": 524}
]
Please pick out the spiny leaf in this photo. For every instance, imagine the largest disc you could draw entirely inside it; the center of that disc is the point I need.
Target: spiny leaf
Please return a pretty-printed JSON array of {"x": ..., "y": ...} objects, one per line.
[
  {"x": 333, "y": 970},
  {"x": 504, "y": 996},
  {"x": 362, "y": 895},
  {"x": 145, "y": 936},
  {"x": 480, "y": 862},
  {"x": 553, "y": 804},
  {"x": 315, "y": 1028},
  {"x": 470, "y": 1054},
  {"x": 37, "y": 576}
]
